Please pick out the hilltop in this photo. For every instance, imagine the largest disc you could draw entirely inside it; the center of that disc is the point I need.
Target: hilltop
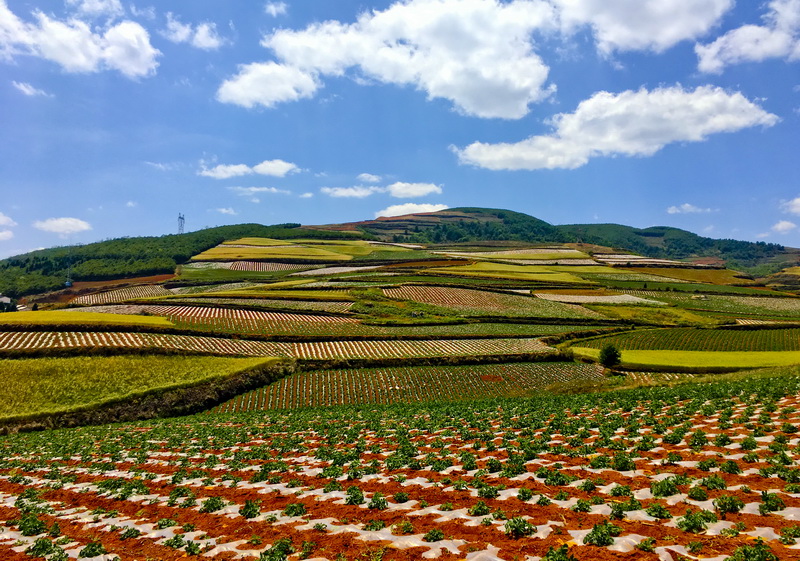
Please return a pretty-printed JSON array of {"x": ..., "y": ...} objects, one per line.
[{"x": 45, "y": 270}]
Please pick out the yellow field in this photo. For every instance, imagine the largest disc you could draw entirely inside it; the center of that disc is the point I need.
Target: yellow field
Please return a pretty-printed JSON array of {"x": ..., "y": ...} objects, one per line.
[
  {"x": 257, "y": 241},
  {"x": 80, "y": 318},
  {"x": 517, "y": 272},
  {"x": 652, "y": 314},
  {"x": 223, "y": 253},
  {"x": 699, "y": 359},
  {"x": 710, "y": 276}
]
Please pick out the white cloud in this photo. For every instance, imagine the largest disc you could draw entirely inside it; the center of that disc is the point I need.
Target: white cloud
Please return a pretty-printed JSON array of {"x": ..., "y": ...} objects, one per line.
[
  {"x": 62, "y": 226},
  {"x": 97, "y": 8},
  {"x": 6, "y": 235},
  {"x": 275, "y": 9},
  {"x": 686, "y": 208},
  {"x": 792, "y": 206},
  {"x": 76, "y": 47},
  {"x": 274, "y": 168},
  {"x": 409, "y": 208},
  {"x": 784, "y": 227},
  {"x": 30, "y": 90},
  {"x": 368, "y": 178},
  {"x": 778, "y": 37},
  {"x": 402, "y": 190},
  {"x": 356, "y": 192},
  {"x": 203, "y": 36},
  {"x": 632, "y": 123},
  {"x": 131, "y": 204},
  {"x": 656, "y": 25},
  {"x": 306, "y": 195},
  {"x": 228, "y": 211},
  {"x": 6, "y": 221},
  {"x": 145, "y": 13},
  {"x": 223, "y": 171},
  {"x": 161, "y": 166},
  {"x": 267, "y": 84},
  {"x": 478, "y": 54}
]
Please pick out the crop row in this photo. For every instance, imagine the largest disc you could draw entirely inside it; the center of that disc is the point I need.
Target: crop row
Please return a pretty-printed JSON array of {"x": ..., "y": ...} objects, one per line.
[
  {"x": 409, "y": 384},
  {"x": 263, "y": 266},
  {"x": 269, "y": 303},
  {"x": 693, "y": 470},
  {"x": 122, "y": 294},
  {"x": 691, "y": 339},
  {"x": 477, "y": 302},
  {"x": 747, "y": 305},
  {"x": 324, "y": 350}
]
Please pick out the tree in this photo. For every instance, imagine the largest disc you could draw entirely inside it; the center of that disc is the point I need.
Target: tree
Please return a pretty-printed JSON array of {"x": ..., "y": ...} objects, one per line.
[{"x": 610, "y": 356}]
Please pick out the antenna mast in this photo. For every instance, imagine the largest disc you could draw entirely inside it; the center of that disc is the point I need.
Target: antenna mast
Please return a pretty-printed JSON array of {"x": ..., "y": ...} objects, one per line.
[{"x": 181, "y": 222}]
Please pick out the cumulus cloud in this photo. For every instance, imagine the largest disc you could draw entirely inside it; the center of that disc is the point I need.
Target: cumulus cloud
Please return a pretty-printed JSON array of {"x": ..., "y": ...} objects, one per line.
[
  {"x": 30, "y": 90},
  {"x": 778, "y": 37},
  {"x": 631, "y": 123},
  {"x": 306, "y": 195},
  {"x": 275, "y": 9},
  {"x": 62, "y": 226},
  {"x": 403, "y": 190},
  {"x": 76, "y": 47},
  {"x": 6, "y": 235},
  {"x": 267, "y": 84},
  {"x": 478, "y": 54},
  {"x": 792, "y": 206},
  {"x": 274, "y": 168},
  {"x": 6, "y": 221},
  {"x": 686, "y": 208},
  {"x": 656, "y": 25},
  {"x": 368, "y": 178},
  {"x": 202, "y": 36},
  {"x": 784, "y": 227},
  {"x": 409, "y": 208},
  {"x": 356, "y": 192},
  {"x": 227, "y": 210}
]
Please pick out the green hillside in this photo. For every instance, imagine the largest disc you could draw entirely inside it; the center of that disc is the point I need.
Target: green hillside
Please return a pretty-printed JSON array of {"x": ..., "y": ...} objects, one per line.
[{"x": 46, "y": 269}]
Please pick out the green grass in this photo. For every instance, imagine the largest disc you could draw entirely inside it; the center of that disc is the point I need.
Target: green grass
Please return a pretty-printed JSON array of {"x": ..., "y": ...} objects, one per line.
[
  {"x": 698, "y": 359},
  {"x": 55, "y": 385},
  {"x": 81, "y": 318}
]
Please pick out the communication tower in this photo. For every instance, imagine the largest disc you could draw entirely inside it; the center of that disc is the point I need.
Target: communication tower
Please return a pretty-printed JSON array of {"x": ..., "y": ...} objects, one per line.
[{"x": 181, "y": 222}]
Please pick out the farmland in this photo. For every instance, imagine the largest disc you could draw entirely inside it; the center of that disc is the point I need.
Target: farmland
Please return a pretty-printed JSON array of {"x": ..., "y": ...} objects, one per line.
[
  {"x": 355, "y": 399},
  {"x": 639, "y": 474},
  {"x": 410, "y": 384}
]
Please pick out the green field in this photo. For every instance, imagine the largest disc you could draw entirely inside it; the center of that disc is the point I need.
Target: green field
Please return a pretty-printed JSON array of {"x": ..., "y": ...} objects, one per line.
[
  {"x": 56, "y": 385},
  {"x": 490, "y": 270},
  {"x": 688, "y": 339},
  {"x": 289, "y": 253},
  {"x": 411, "y": 384}
]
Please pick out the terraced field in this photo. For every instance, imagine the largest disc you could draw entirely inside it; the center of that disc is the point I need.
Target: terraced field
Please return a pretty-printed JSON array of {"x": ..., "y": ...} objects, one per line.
[
  {"x": 122, "y": 294},
  {"x": 728, "y": 304},
  {"x": 475, "y": 302},
  {"x": 410, "y": 384},
  {"x": 689, "y": 339}
]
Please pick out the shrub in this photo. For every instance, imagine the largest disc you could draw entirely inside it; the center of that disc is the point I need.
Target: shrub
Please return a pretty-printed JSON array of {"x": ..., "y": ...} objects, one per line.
[
  {"x": 434, "y": 535},
  {"x": 212, "y": 504},
  {"x": 770, "y": 502},
  {"x": 250, "y": 509},
  {"x": 560, "y": 554},
  {"x": 728, "y": 504},
  {"x": 696, "y": 522},
  {"x": 93, "y": 549},
  {"x": 378, "y": 502},
  {"x": 294, "y": 509},
  {"x": 479, "y": 509},
  {"x": 355, "y": 496},
  {"x": 610, "y": 356},
  {"x": 658, "y": 511},
  {"x": 525, "y": 494},
  {"x": 758, "y": 552}
]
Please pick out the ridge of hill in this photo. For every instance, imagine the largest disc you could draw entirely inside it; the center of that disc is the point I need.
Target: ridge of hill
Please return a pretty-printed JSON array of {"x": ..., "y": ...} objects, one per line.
[{"x": 47, "y": 269}]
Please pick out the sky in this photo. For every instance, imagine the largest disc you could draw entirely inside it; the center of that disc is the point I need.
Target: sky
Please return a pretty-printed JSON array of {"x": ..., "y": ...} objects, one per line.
[{"x": 117, "y": 117}]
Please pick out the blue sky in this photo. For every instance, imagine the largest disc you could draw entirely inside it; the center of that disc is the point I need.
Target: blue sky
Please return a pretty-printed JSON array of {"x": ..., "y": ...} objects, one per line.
[{"x": 117, "y": 116}]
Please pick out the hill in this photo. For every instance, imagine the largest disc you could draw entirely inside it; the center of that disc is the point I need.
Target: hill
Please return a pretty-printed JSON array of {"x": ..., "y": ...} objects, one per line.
[{"x": 48, "y": 269}]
